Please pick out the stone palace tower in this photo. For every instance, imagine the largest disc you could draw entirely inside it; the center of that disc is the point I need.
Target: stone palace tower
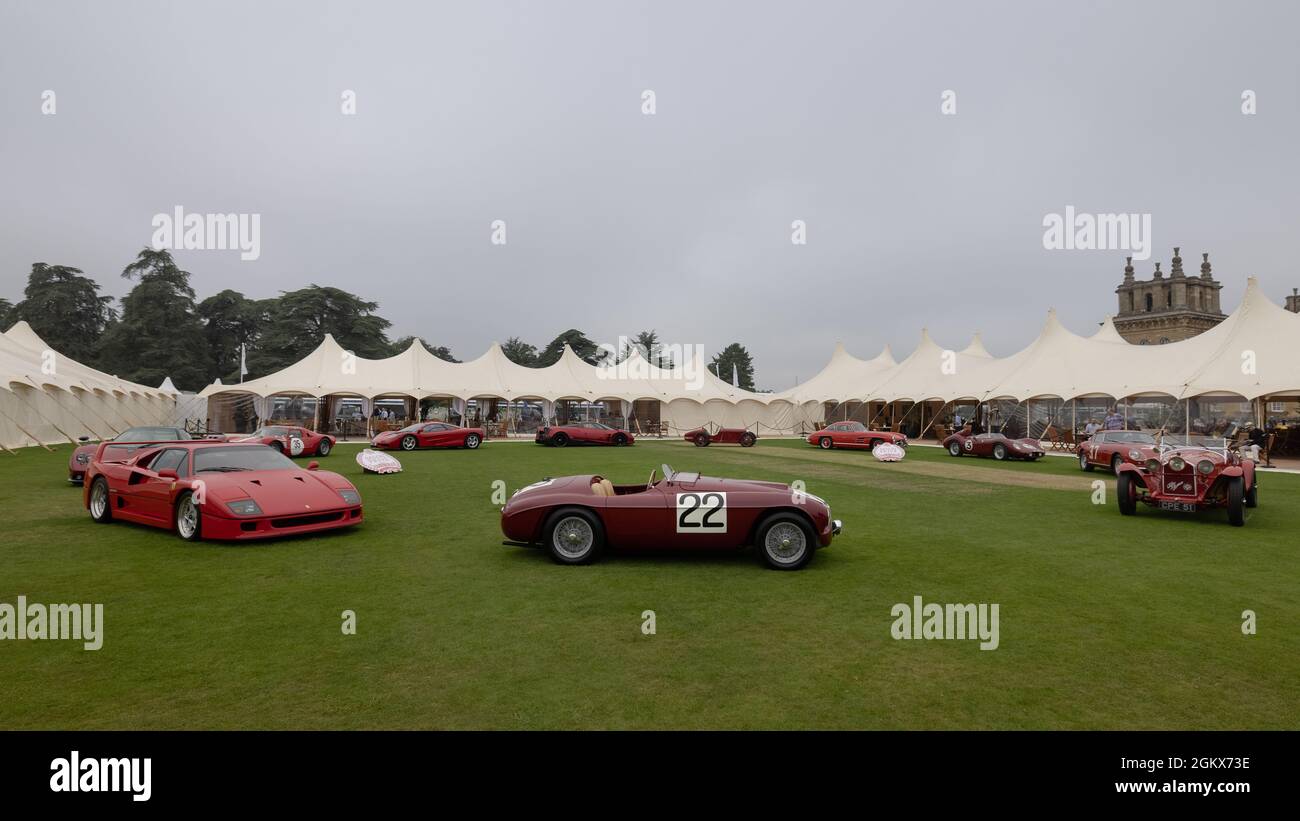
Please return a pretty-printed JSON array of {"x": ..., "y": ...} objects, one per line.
[{"x": 1167, "y": 308}]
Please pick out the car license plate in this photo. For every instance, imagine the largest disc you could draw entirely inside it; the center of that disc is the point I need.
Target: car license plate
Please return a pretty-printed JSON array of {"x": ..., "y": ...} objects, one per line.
[{"x": 1181, "y": 507}]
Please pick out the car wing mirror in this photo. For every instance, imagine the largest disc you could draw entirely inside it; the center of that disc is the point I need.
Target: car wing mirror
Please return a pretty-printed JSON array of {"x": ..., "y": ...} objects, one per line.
[
  {"x": 313, "y": 465},
  {"x": 168, "y": 473}
]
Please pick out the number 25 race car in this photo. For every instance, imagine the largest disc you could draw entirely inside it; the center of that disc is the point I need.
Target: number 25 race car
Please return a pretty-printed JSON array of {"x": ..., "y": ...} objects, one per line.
[
  {"x": 576, "y": 517},
  {"x": 1190, "y": 478}
]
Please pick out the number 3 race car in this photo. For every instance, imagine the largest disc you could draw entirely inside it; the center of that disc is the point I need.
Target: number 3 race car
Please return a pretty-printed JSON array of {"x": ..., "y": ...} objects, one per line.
[
  {"x": 854, "y": 435},
  {"x": 722, "y": 436},
  {"x": 995, "y": 445},
  {"x": 216, "y": 490},
  {"x": 1190, "y": 478},
  {"x": 576, "y": 517}
]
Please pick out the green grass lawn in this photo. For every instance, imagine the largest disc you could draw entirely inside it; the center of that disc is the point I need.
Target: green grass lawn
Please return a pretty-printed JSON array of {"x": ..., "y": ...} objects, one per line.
[{"x": 1105, "y": 621}]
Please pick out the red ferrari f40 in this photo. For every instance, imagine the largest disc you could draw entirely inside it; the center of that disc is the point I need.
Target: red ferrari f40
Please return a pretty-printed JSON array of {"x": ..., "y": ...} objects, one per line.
[
  {"x": 430, "y": 435},
  {"x": 216, "y": 490}
]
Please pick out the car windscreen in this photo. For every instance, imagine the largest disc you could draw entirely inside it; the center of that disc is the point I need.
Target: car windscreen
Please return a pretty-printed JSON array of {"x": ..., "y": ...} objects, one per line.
[
  {"x": 413, "y": 428},
  {"x": 1130, "y": 436},
  {"x": 272, "y": 431},
  {"x": 252, "y": 457},
  {"x": 152, "y": 435}
]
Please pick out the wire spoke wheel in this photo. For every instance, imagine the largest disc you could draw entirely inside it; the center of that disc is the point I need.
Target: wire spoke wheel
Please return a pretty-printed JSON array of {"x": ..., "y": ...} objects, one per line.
[
  {"x": 785, "y": 543},
  {"x": 573, "y": 537}
]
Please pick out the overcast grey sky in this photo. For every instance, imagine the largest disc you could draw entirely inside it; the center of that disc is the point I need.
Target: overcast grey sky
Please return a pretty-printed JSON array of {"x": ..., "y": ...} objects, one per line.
[{"x": 618, "y": 221}]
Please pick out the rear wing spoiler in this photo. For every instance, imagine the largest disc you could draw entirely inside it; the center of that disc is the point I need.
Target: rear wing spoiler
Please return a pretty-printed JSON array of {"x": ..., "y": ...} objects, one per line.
[{"x": 127, "y": 450}]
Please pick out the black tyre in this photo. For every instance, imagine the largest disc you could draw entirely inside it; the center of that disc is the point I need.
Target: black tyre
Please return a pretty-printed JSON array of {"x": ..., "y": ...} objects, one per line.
[
  {"x": 701, "y": 440},
  {"x": 101, "y": 503},
  {"x": 747, "y": 440},
  {"x": 574, "y": 535},
  {"x": 786, "y": 541},
  {"x": 1252, "y": 495},
  {"x": 1000, "y": 452},
  {"x": 472, "y": 441},
  {"x": 1126, "y": 493},
  {"x": 620, "y": 440},
  {"x": 323, "y": 449},
  {"x": 825, "y": 443},
  {"x": 1084, "y": 464},
  {"x": 560, "y": 440},
  {"x": 1115, "y": 462},
  {"x": 1236, "y": 501},
  {"x": 409, "y": 442},
  {"x": 189, "y": 522},
  {"x": 954, "y": 448}
]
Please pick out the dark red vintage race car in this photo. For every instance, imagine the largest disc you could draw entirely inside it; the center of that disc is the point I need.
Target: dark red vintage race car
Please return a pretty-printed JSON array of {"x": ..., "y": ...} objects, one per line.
[
  {"x": 216, "y": 490},
  {"x": 430, "y": 435},
  {"x": 576, "y": 517},
  {"x": 81, "y": 456},
  {"x": 1111, "y": 448},
  {"x": 722, "y": 436},
  {"x": 1189, "y": 478},
  {"x": 289, "y": 440},
  {"x": 582, "y": 433},
  {"x": 853, "y": 435},
  {"x": 994, "y": 445}
]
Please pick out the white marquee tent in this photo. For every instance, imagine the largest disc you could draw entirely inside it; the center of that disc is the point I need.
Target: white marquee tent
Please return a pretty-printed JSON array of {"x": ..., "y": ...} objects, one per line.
[
  {"x": 47, "y": 398},
  {"x": 1253, "y": 353}
]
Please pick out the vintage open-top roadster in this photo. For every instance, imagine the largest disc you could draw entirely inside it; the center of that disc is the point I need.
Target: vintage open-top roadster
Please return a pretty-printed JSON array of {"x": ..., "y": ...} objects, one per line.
[{"x": 1188, "y": 478}]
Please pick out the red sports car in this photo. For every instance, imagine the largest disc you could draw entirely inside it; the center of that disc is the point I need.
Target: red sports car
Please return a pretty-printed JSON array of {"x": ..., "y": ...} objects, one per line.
[
  {"x": 994, "y": 445},
  {"x": 289, "y": 440},
  {"x": 217, "y": 490},
  {"x": 1111, "y": 448},
  {"x": 430, "y": 435},
  {"x": 582, "y": 433},
  {"x": 81, "y": 456},
  {"x": 576, "y": 517},
  {"x": 722, "y": 436},
  {"x": 853, "y": 435},
  {"x": 1190, "y": 478}
]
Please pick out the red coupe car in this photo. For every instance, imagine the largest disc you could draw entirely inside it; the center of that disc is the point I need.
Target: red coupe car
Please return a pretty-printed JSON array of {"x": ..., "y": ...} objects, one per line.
[
  {"x": 994, "y": 445},
  {"x": 289, "y": 440},
  {"x": 1190, "y": 478},
  {"x": 79, "y": 461},
  {"x": 582, "y": 433},
  {"x": 1111, "y": 448},
  {"x": 216, "y": 490},
  {"x": 430, "y": 435},
  {"x": 576, "y": 517},
  {"x": 722, "y": 436},
  {"x": 853, "y": 435}
]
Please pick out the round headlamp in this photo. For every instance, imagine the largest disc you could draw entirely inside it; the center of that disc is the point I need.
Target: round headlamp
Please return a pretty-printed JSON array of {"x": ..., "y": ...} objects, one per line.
[
  {"x": 1135, "y": 455},
  {"x": 1205, "y": 467},
  {"x": 1153, "y": 465},
  {"x": 1177, "y": 463}
]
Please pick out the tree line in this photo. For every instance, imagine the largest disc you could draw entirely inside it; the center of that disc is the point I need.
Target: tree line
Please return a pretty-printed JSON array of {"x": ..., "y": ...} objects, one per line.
[{"x": 161, "y": 329}]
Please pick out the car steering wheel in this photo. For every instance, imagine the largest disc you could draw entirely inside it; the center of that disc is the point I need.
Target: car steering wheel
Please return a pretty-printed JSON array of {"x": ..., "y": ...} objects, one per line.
[{"x": 650, "y": 484}]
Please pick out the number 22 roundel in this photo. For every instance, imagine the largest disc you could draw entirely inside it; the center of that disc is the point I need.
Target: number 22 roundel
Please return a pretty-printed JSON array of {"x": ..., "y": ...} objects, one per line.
[{"x": 702, "y": 512}]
